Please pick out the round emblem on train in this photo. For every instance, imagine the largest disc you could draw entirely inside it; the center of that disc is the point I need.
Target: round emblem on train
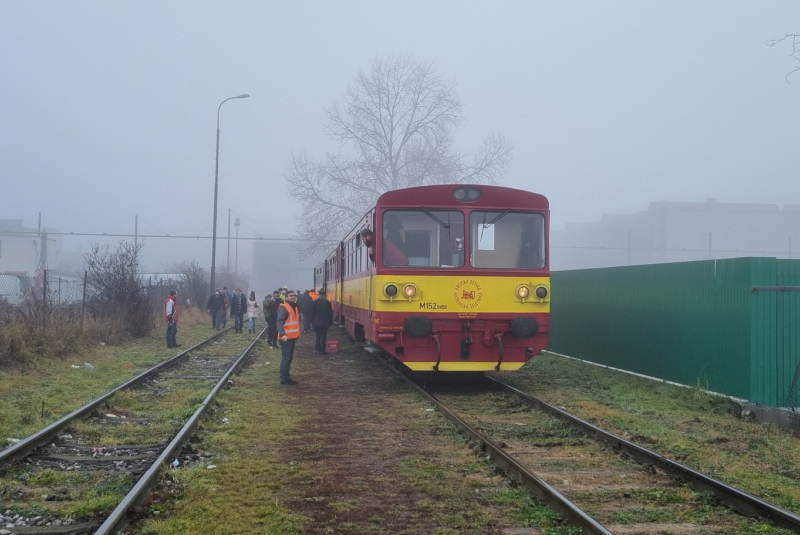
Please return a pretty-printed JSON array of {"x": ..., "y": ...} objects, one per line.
[{"x": 468, "y": 294}]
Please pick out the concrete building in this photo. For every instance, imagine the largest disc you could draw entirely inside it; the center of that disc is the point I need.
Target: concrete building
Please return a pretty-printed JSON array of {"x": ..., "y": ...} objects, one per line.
[
  {"x": 679, "y": 231},
  {"x": 280, "y": 263},
  {"x": 21, "y": 249}
]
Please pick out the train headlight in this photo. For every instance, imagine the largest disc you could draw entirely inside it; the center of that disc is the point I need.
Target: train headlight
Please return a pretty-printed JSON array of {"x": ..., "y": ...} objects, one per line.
[
  {"x": 523, "y": 291},
  {"x": 391, "y": 290},
  {"x": 541, "y": 292},
  {"x": 410, "y": 290},
  {"x": 467, "y": 194}
]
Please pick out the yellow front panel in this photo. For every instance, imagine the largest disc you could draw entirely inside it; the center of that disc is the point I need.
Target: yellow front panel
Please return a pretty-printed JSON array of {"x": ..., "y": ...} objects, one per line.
[
  {"x": 462, "y": 366},
  {"x": 461, "y": 294}
]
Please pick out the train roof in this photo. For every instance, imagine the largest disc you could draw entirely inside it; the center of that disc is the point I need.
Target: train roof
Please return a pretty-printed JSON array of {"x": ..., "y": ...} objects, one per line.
[{"x": 443, "y": 195}]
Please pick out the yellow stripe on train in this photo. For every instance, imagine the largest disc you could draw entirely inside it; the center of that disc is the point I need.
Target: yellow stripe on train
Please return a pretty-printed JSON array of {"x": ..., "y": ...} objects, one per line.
[
  {"x": 448, "y": 293},
  {"x": 463, "y": 366}
]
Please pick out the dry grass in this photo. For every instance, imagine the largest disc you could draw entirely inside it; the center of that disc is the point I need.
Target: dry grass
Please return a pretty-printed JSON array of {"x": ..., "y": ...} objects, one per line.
[{"x": 26, "y": 338}]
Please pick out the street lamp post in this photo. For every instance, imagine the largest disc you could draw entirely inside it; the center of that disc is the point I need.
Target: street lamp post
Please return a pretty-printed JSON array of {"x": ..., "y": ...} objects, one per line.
[{"x": 216, "y": 189}]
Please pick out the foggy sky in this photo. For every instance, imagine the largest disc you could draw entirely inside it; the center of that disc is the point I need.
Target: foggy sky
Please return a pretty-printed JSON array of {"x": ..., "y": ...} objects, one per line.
[{"x": 108, "y": 109}]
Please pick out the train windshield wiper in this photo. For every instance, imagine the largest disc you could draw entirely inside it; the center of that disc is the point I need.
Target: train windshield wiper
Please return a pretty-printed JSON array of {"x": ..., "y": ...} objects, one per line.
[
  {"x": 430, "y": 214},
  {"x": 493, "y": 221}
]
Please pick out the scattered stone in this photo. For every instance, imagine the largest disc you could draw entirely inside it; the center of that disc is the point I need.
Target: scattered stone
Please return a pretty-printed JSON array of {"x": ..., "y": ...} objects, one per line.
[{"x": 212, "y": 466}]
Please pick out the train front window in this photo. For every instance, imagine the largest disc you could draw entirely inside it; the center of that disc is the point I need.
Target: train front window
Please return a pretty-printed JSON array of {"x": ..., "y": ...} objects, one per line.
[
  {"x": 423, "y": 238},
  {"x": 507, "y": 240}
]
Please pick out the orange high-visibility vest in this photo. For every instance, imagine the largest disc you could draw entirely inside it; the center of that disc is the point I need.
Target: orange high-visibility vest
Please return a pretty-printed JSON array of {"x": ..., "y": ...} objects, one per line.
[
  {"x": 314, "y": 295},
  {"x": 292, "y": 325}
]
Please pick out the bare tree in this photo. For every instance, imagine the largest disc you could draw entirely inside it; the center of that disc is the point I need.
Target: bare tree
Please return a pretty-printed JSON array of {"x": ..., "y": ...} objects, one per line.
[
  {"x": 193, "y": 283},
  {"x": 794, "y": 38},
  {"x": 398, "y": 119},
  {"x": 114, "y": 289}
]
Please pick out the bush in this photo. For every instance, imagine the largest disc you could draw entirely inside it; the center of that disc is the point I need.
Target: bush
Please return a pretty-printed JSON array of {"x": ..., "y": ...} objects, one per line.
[{"x": 114, "y": 289}]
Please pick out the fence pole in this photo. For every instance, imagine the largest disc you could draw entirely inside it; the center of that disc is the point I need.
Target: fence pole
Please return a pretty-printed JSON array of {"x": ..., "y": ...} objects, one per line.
[
  {"x": 83, "y": 303},
  {"x": 44, "y": 306}
]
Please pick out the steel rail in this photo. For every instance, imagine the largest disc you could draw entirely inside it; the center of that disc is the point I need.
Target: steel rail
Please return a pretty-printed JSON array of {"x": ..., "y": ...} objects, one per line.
[
  {"x": 536, "y": 485},
  {"x": 23, "y": 448},
  {"x": 738, "y": 500},
  {"x": 118, "y": 519}
]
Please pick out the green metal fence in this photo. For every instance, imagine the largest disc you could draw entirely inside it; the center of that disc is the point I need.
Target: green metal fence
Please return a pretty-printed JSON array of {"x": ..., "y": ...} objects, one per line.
[{"x": 695, "y": 323}]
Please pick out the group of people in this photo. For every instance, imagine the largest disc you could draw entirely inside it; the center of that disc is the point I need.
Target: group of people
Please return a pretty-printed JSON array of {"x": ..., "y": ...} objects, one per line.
[
  {"x": 283, "y": 311},
  {"x": 221, "y": 303}
]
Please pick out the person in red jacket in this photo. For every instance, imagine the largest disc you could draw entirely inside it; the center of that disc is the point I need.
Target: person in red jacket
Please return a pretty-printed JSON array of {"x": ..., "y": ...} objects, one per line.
[{"x": 171, "y": 310}]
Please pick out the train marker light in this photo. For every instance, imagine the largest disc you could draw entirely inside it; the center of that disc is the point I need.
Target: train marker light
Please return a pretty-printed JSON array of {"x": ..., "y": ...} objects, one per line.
[
  {"x": 541, "y": 292},
  {"x": 391, "y": 290},
  {"x": 410, "y": 290},
  {"x": 523, "y": 291},
  {"x": 467, "y": 194}
]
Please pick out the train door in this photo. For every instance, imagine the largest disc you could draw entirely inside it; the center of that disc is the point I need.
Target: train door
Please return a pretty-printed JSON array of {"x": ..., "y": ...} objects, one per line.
[
  {"x": 371, "y": 268},
  {"x": 340, "y": 281}
]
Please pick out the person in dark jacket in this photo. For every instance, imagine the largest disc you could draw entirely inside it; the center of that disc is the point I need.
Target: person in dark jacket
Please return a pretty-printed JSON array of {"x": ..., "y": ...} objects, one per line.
[
  {"x": 304, "y": 303},
  {"x": 322, "y": 318},
  {"x": 238, "y": 308},
  {"x": 214, "y": 307},
  {"x": 272, "y": 335}
]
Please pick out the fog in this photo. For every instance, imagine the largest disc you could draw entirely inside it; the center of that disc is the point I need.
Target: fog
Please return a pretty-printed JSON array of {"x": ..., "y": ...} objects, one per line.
[{"x": 109, "y": 109}]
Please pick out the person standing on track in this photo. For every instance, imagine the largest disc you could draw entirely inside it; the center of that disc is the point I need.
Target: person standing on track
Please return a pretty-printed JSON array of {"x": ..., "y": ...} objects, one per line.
[
  {"x": 226, "y": 305},
  {"x": 322, "y": 318},
  {"x": 238, "y": 308},
  {"x": 252, "y": 312},
  {"x": 172, "y": 319},
  {"x": 214, "y": 306},
  {"x": 288, "y": 324},
  {"x": 272, "y": 336},
  {"x": 226, "y": 293}
]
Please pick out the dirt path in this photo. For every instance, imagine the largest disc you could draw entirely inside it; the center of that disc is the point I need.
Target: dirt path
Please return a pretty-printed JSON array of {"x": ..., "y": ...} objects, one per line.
[{"x": 375, "y": 458}]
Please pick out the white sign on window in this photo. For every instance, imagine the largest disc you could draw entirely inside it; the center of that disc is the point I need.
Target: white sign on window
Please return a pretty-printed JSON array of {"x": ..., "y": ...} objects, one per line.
[{"x": 486, "y": 237}]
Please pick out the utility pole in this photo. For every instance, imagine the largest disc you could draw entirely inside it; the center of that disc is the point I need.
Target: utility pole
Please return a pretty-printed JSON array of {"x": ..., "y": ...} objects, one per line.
[
  {"x": 228, "y": 264},
  {"x": 237, "y": 223},
  {"x": 43, "y": 259},
  {"x": 136, "y": 232}
]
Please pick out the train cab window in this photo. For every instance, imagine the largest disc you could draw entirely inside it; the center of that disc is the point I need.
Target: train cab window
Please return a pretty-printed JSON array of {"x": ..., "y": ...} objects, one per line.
[
  {"x": 507, "y": 240},
  {"x": 423, "y": 238}
]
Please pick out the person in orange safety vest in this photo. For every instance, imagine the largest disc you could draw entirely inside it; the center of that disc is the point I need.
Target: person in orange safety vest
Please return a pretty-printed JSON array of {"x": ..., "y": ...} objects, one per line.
[{"x": 288, "y": 325}]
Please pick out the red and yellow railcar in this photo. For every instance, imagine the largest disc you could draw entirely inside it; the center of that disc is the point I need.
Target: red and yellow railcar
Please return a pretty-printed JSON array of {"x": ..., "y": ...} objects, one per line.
[{"x": 446, "y": 278}]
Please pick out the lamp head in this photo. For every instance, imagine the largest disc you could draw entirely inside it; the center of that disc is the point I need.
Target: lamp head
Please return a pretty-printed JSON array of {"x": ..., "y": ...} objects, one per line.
[{"x": 245, "y": 95}]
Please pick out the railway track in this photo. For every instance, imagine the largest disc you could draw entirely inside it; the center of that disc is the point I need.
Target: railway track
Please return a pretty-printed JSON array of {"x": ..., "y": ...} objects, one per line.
[
  {"x": 598, "y": 481},
  {"x": 106, "y": 455}
]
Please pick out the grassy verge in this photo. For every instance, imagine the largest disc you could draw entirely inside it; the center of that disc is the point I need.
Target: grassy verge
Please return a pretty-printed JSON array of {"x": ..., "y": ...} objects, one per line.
[
  {"x": 46, "y": 389},
  {"x": 683, "y": 423}
]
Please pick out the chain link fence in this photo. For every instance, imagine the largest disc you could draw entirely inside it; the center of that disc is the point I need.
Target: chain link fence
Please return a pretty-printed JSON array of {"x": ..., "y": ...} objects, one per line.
[{"x": 40, "y": 299}]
